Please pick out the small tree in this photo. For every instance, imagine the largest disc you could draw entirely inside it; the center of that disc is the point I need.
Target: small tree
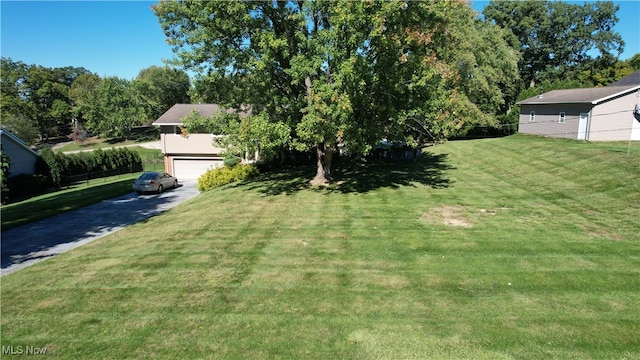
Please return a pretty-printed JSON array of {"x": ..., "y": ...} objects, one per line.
[{"x": 78, "y": 134}]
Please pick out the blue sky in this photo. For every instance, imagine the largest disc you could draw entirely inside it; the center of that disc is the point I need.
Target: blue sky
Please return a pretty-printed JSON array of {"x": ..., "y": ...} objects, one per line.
[
  {"x": 121, "y": 38},
  {"x": 106, "y": 37}
]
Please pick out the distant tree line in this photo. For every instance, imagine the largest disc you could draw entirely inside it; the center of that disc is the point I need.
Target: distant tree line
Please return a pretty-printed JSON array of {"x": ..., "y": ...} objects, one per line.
[
  {"x": 563, "y": 41},
  {"x": 38, "y": 102}
]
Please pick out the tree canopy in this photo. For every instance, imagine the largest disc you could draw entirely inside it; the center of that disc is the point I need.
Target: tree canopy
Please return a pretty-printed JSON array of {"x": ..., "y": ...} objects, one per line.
[
  {"x": 558, "y": 39},
  {"x": 342, "y": 72},
  {"x": 37, "y": 95},
  {"x": 161, "y": 88}
]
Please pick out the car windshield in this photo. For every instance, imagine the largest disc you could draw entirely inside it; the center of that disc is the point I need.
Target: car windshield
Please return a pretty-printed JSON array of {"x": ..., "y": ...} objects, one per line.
[{"x": 148, "y": 176}]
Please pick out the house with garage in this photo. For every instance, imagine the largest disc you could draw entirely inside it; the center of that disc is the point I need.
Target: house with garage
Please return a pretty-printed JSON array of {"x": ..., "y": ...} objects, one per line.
[
  {"x": 593, "y": 114},
  {"x": 187, "y": 156},
  {"x": 23, "y": 158}
]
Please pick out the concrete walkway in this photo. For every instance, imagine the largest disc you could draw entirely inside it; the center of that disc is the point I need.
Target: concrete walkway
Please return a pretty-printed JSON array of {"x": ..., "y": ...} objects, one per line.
[{"x": 40, "y": 240}]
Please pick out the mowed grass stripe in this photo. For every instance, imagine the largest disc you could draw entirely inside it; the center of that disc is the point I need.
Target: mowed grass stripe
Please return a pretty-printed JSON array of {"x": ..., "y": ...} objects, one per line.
[
  {"x": 593, "y": 192},
  {"x": 461, "y": 255}
]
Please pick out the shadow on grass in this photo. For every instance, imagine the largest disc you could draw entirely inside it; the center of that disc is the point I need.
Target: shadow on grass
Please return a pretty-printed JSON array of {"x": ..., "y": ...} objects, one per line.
[
  {"x": 428, "y": 170},
  {"x": 353, "y": 176}
]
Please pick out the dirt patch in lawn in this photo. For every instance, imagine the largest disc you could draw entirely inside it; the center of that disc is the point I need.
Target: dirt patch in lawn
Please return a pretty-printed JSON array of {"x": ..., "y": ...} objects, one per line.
[
  {"x": 596, "y": 231},
  {"x": 447, "y": 215}
]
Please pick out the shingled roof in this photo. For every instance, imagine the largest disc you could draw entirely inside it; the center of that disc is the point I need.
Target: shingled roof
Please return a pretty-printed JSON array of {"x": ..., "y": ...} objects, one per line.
[
  {"x": 580, "y": 96},
  {"x": 593, "y": 96},
  {"x": 177, "y": 112},
  {"x": 629, "y": 80}
]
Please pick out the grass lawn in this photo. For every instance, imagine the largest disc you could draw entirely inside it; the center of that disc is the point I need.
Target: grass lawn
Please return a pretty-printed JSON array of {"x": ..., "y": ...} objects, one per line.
[
  {"x": 139, "y": 135},
  {"x": 512, "y": 248}
]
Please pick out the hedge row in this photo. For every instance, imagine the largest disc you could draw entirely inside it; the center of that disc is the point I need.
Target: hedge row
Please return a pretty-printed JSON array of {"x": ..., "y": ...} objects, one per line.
[
  {"x": 225, "y": 175},
  {"x": 62, "y": 166}
]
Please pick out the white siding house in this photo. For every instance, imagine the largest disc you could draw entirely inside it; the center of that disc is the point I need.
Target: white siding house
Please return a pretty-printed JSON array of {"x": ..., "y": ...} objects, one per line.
[
  {"x": 594, "y": 114},
  {"x": 23, "y": 158}
]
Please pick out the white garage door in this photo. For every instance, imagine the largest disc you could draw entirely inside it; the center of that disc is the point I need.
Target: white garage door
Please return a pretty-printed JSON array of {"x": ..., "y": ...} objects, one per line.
[{"x": 193, "y": 168}]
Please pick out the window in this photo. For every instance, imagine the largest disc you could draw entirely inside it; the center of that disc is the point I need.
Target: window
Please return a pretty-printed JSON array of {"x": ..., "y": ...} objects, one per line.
[
  {"x": 562, "y": 118},
  {"x": 532, "y": 116},
  {"x": 177, "y": 130}
]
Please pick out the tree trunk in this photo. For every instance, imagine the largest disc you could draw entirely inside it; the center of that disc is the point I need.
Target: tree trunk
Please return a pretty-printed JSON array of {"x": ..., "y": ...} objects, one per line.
[
  {"x": 324, "y": 154},
  {"x": 323, "y": 165},
  {"x": 328, "y": 159}
]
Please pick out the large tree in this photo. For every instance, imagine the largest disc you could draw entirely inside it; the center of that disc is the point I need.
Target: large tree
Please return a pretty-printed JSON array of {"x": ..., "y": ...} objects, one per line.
[
  {"x": 162, "y": 87},
  {"x": 558, "y": 39},
  {"x": 341, "y": 72},
  {"x": 14, "y": 106},
  {"x": 12, "y": 90},
  {"x": 36, "y": 97},
  {"x": 82, "y": 94},
  {"x": 114, "y": 108}
]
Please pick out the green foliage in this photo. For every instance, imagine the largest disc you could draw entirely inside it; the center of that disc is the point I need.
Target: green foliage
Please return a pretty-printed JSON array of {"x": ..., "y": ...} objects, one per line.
[
  {"x": 162, "y": 87},
  {"x": 231, "y": 161},
  {"x": 115, "y": 109},
  {"x": 217, "y": 124},
  {"x": 55, "y": 165},
  {"x": 5, "y": 163},
  {"x": 508, "y": 124},
  {"x": 343, "y": 72},
  {"x": 634, "y": 62},
  {"x": 62, "y": 166},
  {"x": 101, "y": 160},
  {"x": 20, "y": 125},
  {"x": 557, "y": 38},
  {"x": 39, "y": 101},
  {"x": 242, "y": 136},
  {"x": 257, "y": 135},
  {"x": 225, "y": 175},
  {"x": 606, "y": 74},
  {"x": 83, "y": 93},
  {"x": 38, "y": 96}
]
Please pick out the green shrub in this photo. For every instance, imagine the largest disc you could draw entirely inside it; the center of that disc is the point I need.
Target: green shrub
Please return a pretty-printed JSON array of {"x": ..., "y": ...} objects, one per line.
[
  {"x": 217, "y": 177},
  {"x": 231, "y": 161},
  {"x": 5, "y": 163},
  {"x": 55, "y": 165},
  {"x": 100, "y": 160}
]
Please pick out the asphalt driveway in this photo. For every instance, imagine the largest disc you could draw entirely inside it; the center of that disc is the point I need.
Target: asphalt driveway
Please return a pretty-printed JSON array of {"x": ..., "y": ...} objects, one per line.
[{"x": 26, "y": 245}]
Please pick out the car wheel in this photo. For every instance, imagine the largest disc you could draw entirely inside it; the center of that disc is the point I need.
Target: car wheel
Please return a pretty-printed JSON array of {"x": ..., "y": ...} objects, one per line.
[
  {"x": 160, "y": 189},
  {"x": 139, "y": 192}
]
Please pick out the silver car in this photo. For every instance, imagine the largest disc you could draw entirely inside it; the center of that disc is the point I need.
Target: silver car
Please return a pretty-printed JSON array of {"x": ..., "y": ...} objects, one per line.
[{"x": 154, "y": 181}]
